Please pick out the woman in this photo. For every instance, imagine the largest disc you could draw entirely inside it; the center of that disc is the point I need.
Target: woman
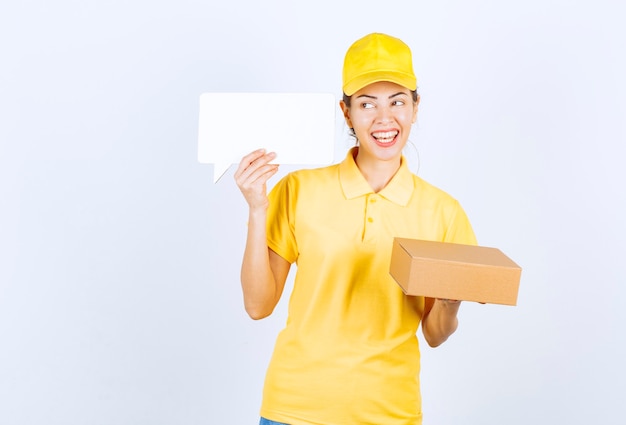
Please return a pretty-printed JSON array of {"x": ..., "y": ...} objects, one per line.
[{"x": 349, "y": 352}]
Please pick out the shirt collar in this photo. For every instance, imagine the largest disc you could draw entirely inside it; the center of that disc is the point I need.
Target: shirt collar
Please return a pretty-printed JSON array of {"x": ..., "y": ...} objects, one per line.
[{"x": 398, "y": 190}]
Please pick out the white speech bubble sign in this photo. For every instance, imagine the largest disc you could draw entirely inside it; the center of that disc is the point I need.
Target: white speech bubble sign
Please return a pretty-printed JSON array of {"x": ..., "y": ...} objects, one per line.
[{"x": 299, "y": 127}]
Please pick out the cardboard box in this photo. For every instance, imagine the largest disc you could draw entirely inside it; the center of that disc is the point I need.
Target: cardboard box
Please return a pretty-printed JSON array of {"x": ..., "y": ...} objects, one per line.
[{"x": 454, "y": 271}]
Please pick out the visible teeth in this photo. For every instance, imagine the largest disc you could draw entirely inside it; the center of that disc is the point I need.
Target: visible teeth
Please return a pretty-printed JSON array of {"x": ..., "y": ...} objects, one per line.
[{"x": 385, "y": 136}]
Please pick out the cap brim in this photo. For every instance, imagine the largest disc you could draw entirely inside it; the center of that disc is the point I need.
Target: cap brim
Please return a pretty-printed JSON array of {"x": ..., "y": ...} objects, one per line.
[{"x": 364, "y": 80}]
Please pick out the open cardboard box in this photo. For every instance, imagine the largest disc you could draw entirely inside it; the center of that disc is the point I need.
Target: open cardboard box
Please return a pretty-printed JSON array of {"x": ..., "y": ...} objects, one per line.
[{"x": 454, "y": 271}]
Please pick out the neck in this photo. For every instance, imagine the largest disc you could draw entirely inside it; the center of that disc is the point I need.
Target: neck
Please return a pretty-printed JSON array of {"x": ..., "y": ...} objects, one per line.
[{"x": 378, "y": 173}]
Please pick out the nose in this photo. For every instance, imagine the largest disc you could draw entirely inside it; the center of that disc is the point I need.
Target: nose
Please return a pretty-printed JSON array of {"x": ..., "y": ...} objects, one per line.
[{"x": 384, "y": 115}]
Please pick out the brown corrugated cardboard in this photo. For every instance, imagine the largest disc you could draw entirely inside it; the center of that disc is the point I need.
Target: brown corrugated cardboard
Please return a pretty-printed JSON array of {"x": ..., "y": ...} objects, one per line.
[{"x": 454, "y": 271}]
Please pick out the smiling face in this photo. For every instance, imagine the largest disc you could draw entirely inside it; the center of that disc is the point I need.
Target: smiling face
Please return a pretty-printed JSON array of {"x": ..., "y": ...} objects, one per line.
[{"x": 381, "y": 115}]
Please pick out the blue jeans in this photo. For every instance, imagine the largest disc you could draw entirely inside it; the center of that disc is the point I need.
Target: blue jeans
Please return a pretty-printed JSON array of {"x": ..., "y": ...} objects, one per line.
[{"x": 268, "y": 422}]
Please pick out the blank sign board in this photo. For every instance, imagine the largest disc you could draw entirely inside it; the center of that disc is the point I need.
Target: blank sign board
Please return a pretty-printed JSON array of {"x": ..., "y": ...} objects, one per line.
[{"x": 299, "y": 127}]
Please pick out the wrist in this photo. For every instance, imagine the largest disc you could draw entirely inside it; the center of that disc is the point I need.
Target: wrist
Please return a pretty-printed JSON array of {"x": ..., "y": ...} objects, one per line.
[
  {"x": 258, "y": 212},
  {"x": 448, "y": 302},
  {"x": 448, "y": 306}
]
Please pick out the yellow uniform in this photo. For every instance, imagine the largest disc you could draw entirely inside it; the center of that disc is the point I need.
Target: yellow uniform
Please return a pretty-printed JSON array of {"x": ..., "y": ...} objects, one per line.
[{"x": 349, "y": 352}]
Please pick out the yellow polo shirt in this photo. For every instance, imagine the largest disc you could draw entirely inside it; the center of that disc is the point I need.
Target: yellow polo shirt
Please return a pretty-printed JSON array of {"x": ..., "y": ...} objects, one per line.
[{"x": 349, "y": 352}]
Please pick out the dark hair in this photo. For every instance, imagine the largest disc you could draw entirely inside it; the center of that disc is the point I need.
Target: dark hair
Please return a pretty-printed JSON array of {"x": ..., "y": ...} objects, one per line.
[{"x": 348, "y": 99}]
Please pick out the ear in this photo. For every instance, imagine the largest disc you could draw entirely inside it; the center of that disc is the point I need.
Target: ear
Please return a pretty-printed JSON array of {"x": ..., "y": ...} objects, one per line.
[
  {"x": 415, "y": 108},
  {"x": 346, "y": 113}
]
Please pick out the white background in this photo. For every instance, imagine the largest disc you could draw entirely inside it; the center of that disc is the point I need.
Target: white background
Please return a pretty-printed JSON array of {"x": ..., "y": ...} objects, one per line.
[{"x": 119, "y": 258}]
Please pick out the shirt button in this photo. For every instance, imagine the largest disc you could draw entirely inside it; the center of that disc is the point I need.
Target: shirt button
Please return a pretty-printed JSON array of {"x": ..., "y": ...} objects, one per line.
[{"x": 370, "y": 219}]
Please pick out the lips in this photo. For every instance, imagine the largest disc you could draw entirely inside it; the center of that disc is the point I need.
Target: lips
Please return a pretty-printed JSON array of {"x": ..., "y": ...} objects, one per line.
[{"x": 385, "y": 138}]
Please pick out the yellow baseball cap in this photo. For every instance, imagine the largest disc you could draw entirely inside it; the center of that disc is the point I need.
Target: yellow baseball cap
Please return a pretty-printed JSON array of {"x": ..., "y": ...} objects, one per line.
[{"x": 377, "y": 57}]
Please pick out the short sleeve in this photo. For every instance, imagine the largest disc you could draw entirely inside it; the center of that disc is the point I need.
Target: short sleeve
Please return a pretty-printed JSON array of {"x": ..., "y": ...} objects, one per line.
[
  {"x": 459, "y": 230},
  {"x": 281, "y": 219}
]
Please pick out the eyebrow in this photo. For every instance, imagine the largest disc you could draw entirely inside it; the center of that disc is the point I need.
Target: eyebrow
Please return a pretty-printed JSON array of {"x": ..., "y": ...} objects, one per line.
[{"x": 374, "y": 97}]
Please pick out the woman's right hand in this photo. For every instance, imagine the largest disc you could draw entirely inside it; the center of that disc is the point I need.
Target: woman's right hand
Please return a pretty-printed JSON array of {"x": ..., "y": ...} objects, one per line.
[{"x": 252, "y": 175}]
